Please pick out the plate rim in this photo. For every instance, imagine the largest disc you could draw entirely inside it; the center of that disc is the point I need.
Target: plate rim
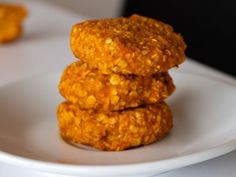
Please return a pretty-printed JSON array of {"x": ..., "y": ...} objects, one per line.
[{"x": 120, "y": 169}]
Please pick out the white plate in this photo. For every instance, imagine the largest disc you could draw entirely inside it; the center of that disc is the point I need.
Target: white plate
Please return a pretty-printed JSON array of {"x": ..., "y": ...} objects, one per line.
[{"x": 205, "y": 127}]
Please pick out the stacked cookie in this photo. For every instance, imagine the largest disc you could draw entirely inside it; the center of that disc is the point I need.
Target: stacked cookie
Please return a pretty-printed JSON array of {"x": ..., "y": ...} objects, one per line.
[{"x": 115, "y": 93}]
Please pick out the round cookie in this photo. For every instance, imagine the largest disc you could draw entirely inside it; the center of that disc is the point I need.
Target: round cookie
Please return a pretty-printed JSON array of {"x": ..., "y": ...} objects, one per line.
[
  {"x": 90, "y": 89},
  {"x": 134, "y": 45},
  {"x": 11, "y": 17},
  {"x": 114, "y": 131}
]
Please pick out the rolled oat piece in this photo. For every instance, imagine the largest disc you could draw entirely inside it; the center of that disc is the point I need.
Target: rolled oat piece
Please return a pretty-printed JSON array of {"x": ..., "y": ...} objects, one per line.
[
  {"x": 114, "y": 131},
  {"x": 134, "y": 45},
  {"x": 11, "y": 18},
  {"x": 89, "y": 88}
]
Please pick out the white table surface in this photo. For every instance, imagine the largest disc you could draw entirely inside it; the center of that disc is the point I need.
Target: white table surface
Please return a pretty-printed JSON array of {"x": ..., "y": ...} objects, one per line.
[{"x": 52, "y": 24}]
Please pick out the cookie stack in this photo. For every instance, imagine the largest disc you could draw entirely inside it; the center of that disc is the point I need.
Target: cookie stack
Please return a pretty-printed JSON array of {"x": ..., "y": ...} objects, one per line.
[{"x": 115, "y": 92}]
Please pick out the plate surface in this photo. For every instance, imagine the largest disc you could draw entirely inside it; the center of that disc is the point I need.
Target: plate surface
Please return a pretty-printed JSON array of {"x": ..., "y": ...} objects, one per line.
[{"x": 204, "y": 128}]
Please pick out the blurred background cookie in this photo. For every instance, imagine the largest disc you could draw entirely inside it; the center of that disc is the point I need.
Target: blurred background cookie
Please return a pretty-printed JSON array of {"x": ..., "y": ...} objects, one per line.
[{"x": 11, "y": 18}]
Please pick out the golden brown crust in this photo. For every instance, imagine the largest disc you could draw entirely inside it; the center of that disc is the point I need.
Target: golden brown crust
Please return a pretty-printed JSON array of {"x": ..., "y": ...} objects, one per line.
[
  {"x": 90, "y": 89},
  {"x": 114, "y": 131},
  {"x": 135, "y": 45},
  {"x": 11, "y": 17}
]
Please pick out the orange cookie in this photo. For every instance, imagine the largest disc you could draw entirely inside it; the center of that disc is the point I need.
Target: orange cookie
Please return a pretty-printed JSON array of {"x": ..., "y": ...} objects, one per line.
[
  {"x": 90, "y": 89},
  {"x": 114, "y": 131},
  {"x": 11, "y": 18},
  {"x": 134, "y": 45}
]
